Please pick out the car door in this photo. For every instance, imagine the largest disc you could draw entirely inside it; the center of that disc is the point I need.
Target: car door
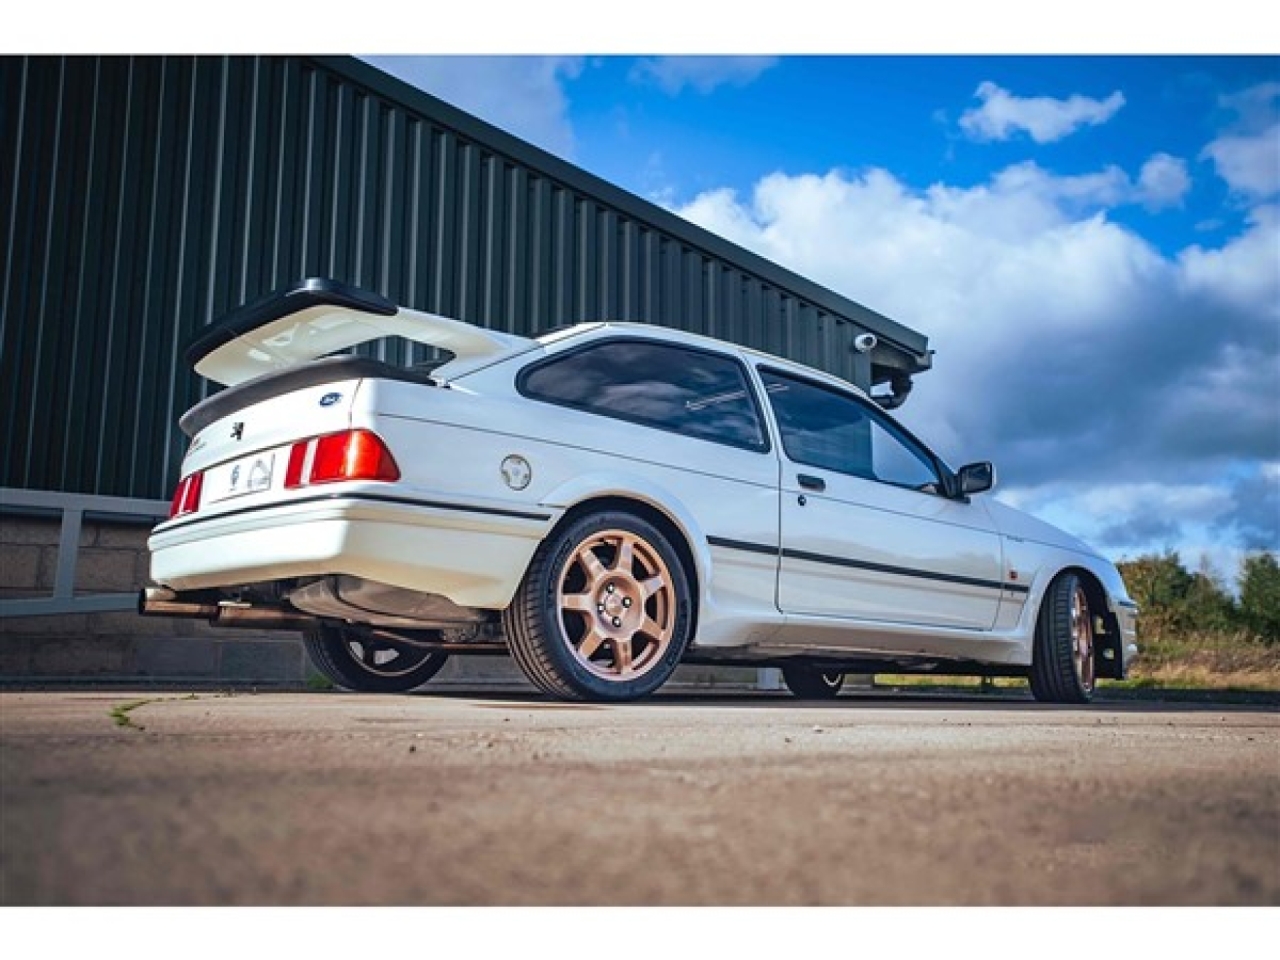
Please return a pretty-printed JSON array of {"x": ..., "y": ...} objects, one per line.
[{"x": 866, "y": 530}]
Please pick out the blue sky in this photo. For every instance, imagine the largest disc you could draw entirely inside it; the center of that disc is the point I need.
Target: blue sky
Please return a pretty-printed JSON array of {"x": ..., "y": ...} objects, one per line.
[{"x": 1091, "y": 243}]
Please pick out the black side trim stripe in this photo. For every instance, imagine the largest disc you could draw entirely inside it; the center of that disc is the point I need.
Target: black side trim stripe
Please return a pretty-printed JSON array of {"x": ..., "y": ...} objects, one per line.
[
  {"x": 867, "y": 565},
  {"x": 372, "y": 497},
  {"x": 905, "y": 571},
  {"x": 743, "y": 545}
]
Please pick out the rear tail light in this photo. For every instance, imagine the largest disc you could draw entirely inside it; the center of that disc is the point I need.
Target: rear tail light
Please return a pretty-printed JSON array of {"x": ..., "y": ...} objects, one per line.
[
  {"x": 350, "y": 455},
  {"x": 186, "y": 499}
]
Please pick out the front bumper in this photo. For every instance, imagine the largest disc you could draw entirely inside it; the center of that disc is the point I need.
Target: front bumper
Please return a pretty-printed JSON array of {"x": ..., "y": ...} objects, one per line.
[{"x": 1127, "y": 620}]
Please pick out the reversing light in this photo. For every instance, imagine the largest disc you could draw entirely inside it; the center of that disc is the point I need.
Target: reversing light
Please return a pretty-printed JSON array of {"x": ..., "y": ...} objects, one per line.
[{"x": 350, "y": 455}]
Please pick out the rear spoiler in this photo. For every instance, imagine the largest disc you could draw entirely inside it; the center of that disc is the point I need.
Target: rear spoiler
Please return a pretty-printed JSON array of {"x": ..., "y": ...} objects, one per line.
[{"x": 319, "y": 317}]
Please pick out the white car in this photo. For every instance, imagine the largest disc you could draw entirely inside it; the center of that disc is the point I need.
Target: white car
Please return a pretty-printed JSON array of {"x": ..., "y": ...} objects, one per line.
[{"x": 603, "y": 503}]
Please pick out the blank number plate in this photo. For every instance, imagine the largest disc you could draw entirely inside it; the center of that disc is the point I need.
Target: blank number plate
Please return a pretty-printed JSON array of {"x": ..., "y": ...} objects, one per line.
[{"x": 251, "y": 474}]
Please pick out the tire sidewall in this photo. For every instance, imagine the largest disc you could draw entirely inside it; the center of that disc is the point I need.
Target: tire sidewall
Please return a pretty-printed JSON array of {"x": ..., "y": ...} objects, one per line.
[
  {"x": 810, "y": 683},
  {"x": 1054, "y": 677},
  {"x": 1085, "y": 693}
]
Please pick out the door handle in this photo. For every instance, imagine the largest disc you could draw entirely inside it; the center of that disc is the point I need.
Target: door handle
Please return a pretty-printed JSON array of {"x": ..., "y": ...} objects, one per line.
[{"x": 810, "y": 482}]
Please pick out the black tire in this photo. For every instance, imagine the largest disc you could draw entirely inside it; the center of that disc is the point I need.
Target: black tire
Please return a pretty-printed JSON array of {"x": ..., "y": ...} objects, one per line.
[
  {"x": 812, "y": 683},
  {"x": 369, "y": 665},
  {"x": 1064, "y": 655},
  {"x": 604, "y": 610}
]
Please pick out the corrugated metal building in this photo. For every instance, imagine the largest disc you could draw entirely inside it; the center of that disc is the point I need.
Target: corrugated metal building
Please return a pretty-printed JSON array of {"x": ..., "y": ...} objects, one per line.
[{"x": 142, "y": 198}]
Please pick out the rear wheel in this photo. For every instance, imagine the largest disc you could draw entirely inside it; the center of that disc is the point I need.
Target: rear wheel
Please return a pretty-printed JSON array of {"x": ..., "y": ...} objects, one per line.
[
  {"x": 811, "y": 683},
  {"x": 373, "y": 665},
  {"x": 604, "y": 611},
  {"x": 1063, "y": 665}
]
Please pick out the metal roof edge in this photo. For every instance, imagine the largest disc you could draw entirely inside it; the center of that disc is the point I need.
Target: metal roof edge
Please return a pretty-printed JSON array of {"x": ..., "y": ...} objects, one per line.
[{"x": 645, "y": 211}]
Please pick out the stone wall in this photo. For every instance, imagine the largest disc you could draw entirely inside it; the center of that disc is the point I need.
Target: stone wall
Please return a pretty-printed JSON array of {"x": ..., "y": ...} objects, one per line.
[{"x": 113, "y": 558}]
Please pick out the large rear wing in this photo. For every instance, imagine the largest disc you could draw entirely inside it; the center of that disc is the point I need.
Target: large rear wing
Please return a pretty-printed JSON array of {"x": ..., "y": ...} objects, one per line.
[{"x": 318, "y": 317}]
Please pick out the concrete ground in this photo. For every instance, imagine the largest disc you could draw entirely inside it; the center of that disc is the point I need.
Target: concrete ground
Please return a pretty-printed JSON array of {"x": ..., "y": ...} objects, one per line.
[{"x": 457, "y": 797}]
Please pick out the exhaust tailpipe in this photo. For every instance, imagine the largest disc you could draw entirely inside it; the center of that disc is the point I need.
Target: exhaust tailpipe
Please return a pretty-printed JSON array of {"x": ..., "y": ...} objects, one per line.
[{"x": 163, "y": 602}]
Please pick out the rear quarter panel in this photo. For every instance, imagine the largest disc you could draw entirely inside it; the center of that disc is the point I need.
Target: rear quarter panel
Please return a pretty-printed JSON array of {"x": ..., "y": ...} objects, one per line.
[{"x": 450, "y": 445}]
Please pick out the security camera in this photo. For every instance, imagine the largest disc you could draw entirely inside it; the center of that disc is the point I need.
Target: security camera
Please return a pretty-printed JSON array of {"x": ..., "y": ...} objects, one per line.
[{"x": 864, "y": 342}]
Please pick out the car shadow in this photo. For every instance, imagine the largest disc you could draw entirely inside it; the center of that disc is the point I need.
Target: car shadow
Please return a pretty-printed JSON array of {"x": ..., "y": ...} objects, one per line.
[{"x": 1129, "y": 702}]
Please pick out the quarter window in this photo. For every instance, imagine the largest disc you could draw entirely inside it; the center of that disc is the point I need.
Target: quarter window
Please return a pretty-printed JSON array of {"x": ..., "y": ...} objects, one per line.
[
  {"x": 691, "y": 392},
  {"x": 824, "y": 428}
]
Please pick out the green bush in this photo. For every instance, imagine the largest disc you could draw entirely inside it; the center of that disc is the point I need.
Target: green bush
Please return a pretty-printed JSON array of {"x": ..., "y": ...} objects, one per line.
[
  {"x": 1178, "y": 605},
  {"x": 1260, "y": 596}
]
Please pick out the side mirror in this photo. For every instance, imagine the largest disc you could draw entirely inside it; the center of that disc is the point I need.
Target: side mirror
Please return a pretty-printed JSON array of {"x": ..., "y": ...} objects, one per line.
[{"x": 976, "y": 477}]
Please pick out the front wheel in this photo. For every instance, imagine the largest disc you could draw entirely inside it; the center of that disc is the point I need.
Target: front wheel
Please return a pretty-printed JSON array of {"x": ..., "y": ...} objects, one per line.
[
  {"x": 1063, "y": 667},
  {"x": 810, "y": 683},
  {"x": 604, "y": 611},
  {"x": 368, "y": 665}
]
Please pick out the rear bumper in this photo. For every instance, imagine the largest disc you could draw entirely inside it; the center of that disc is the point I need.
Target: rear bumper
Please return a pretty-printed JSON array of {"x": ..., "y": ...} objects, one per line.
[{"x": 475, "y": 555}]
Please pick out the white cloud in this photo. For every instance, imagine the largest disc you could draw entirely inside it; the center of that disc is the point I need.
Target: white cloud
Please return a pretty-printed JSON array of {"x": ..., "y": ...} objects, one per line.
[
  {"x": 1250, "y": 164},
  {"x": 1106, "y": 188},
  {"x": 522, "y": 95},
  {"x": 1254, "y": 107},
  {"x": 1163, "y": 182},
  {"x": 1002, "y": 115},
  {"x": 1124, "y": 388},
  {"x": 703, "y": 74},
  {"x": 1120, "y": 515},
  {"x": 1020, "y": 201},
  {"x": 1218, "y": 522},
  {"x": 1244, "y": 274},
  {"x": 1247, "y": 155}
]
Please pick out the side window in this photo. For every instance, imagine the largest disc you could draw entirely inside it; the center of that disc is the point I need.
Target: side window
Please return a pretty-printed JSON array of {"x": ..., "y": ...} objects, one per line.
[
  {"x": 661, "y": 385},
  {"x": 825, "y": 428}
]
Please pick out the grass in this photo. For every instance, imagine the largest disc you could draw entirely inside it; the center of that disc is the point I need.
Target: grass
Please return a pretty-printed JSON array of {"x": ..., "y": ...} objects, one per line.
[
  {"x": 934, "y": 680},
  {"x": 1224, "y": 661},
  {"x": 120, "y": 713},
  {"x": 1207, "y": 660}
]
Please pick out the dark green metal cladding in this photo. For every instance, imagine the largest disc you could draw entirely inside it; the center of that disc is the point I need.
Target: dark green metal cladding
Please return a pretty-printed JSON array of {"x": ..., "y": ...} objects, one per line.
[{"x": 142, "y": 198}]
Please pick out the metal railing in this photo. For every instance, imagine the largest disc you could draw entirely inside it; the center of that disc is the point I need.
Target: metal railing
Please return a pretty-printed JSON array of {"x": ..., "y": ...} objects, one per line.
[{"x": 72, "y": 508}]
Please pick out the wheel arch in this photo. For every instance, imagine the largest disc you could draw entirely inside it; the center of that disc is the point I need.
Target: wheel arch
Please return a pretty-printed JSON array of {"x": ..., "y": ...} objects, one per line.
[{"x": 677, "y": 533}]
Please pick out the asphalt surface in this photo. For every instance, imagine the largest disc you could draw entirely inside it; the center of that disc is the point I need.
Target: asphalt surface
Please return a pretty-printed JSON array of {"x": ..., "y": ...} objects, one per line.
[{"x": 483, "y": 799}]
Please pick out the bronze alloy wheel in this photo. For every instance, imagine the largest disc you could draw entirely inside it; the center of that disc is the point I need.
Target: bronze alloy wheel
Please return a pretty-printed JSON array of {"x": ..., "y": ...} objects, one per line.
[
  {"x": 1082, "y": 639},
  {"x": 617, "y": 603},
  {"x": 605, "y": 609}
]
